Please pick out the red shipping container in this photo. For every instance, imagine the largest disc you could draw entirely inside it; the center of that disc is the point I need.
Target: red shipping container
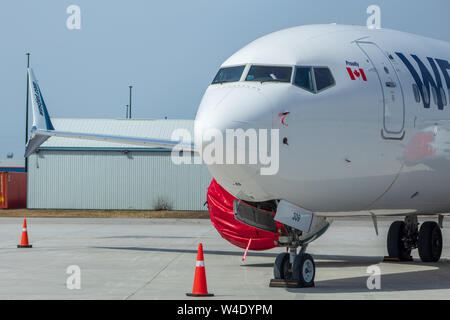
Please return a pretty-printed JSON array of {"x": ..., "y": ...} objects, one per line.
[{"x": 13, "y": 190}]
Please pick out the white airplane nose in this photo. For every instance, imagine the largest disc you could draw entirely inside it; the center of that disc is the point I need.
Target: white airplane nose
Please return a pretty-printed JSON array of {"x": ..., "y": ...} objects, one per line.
[
  {"x": 241, "y": 107},
  {"x": 239, "y": 110}
]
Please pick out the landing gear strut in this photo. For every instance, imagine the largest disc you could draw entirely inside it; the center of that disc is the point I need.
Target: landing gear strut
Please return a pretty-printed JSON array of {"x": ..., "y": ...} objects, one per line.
[
  {"x": 292, "y": 269},
  {"x": 404, "y": 236}
]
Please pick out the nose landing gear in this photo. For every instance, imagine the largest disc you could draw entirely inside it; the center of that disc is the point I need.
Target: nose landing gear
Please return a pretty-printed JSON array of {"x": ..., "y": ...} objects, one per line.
[
  {"x": 294, "y": 270},
  {"x": 304, "y": 270},
  {"x": 299, "y": 274}
]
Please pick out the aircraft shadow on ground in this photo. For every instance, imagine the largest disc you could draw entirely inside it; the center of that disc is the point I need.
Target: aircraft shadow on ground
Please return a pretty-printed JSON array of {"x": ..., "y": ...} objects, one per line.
[
  {"x": 437, "y": 278},
  {"x": 403, "y": 280},
  {"x": 434, "y": 279},
  {"x": 398, "y": 282},
  {"x": 194, "y": 251},
  {"x": 146, "y": 237}
]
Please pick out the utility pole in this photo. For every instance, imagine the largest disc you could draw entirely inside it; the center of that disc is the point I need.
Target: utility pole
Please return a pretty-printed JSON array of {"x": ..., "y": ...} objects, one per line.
[
  {"x": 130, "y": 101},
  {"x": 26, "y": 112}
]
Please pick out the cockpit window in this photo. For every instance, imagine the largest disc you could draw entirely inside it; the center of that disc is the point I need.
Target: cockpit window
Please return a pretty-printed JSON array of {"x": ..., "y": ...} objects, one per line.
[
  {"x": 313, "y": 79},
  {"x": 324, "y": 78},
  {"x": 269, "y": 74},
  {"x": 304, "y": 78},
  {"x": 229, "y": 74}
]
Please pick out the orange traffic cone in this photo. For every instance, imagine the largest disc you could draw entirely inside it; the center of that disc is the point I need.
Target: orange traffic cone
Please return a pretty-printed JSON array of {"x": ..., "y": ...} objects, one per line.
[
  {"x": 200, "y": 289},
  {"x": 24, "y": 242}
]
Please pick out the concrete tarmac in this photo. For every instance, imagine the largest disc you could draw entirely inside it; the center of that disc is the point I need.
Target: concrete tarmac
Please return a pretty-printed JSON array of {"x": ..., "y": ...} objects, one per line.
[{"x": 155, "y": 259}]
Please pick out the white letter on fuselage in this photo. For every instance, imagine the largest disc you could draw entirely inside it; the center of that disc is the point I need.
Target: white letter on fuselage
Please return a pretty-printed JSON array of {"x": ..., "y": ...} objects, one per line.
[
  {"x": 274, "y": 159},
  {"x": 241, "y": 146},
  {"x": 179, "y": 156},
  {"x": 213, "y": 151}
]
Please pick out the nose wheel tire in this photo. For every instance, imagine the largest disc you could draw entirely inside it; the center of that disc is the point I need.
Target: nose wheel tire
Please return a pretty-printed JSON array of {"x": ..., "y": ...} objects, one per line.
[
  {"x": 301, "y": 273},
  {"x": 395, "y": 241},
  {"x": 430, "y": 242},
  {"x": 304, "y": 270},
  {"x": 282, "y": 267}
]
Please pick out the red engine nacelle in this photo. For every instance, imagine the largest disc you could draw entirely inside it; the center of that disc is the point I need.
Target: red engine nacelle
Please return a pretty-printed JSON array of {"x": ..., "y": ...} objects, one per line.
[{"x": 220, "y": 206}]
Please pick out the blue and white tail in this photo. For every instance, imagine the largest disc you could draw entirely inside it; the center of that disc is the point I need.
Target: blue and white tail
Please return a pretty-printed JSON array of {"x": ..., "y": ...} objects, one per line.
[
  {"x": 41, "y": 118},
  {"x": 43, "y": 129}
]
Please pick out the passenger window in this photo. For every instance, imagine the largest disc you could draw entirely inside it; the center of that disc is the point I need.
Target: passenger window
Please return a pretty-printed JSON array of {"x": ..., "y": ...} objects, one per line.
[
  {"x": 303, "y": 78},
  {"x": 416, "y": 92},
  {"x": 324, "y": 78}
]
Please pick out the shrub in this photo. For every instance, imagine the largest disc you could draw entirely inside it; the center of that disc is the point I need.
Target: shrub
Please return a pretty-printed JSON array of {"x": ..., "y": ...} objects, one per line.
[{"x": 162, "y": 204}]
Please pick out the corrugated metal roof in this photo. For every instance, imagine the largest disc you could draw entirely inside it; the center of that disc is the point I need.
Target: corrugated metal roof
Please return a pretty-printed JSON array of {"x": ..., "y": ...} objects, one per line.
[{"x": 158, "y": 129}]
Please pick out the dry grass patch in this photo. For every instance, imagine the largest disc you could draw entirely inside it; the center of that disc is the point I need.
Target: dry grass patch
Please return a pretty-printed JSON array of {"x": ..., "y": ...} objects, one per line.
[{"x": 26, "y": 213}]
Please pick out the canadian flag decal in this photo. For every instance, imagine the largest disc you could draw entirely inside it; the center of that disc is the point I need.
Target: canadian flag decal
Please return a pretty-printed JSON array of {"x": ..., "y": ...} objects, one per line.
[{"x": 357, "y": 73}]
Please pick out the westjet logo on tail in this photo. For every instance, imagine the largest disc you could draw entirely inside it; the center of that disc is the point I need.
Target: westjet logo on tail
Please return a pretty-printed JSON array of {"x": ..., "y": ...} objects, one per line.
[
  {"x": 426, "y": 81},
  {"x": 37, "y": 97}
]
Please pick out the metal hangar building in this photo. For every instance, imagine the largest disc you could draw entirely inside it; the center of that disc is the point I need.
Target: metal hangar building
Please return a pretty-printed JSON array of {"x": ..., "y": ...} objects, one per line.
[{"x": 81, "y": 174}]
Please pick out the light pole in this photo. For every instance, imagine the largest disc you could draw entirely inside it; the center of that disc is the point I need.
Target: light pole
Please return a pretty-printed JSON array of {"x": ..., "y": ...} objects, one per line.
[
  {"x": 126, "y": 114},
  {"x": 130, "y": 100},
  {"x": 26, "y": 112}
]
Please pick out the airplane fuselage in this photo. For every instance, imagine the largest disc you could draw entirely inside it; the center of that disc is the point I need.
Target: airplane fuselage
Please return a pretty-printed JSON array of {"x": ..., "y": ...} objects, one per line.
[
  {"x": 376, "y": 140},
  {"x": 359, "y": 123}
]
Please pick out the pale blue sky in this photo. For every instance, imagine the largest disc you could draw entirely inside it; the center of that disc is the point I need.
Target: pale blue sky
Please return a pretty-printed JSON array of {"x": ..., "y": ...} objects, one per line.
[{"x": 168, "y": 50}]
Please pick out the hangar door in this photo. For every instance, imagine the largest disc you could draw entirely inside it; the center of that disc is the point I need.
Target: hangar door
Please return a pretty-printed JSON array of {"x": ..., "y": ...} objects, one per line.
[{"x": 393, "y": 104}]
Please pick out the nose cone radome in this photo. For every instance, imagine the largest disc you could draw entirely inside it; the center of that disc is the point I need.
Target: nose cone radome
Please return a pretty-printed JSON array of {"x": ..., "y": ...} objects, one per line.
[
  {"x": 236, "y": 110},
  {"x": 239, "y": 107}
]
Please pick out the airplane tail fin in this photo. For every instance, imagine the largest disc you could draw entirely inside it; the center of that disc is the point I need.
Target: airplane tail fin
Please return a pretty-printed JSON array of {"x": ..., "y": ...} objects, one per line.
[
  {"x": 43, "y": 129},
  {"x": 41, "y": 118}
]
